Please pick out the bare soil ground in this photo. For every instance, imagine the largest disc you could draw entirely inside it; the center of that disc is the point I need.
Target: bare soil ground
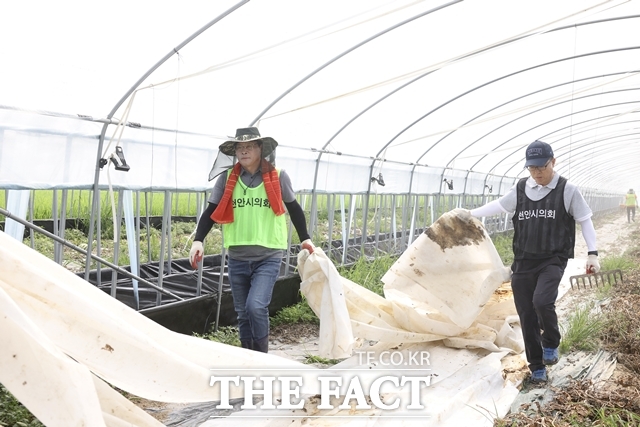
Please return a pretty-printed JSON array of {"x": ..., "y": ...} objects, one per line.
[{"x": 294, "y": 333}]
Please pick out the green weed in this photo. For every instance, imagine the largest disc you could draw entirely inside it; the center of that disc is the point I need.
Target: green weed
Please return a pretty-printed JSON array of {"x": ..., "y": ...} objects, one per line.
[
  {"x": 583, "y": 331},
  {"x": 298, "y": 313},
  {"x": 604, "y": 291},
  {"x": 613, "y": 262},
  {"x": 13, "y": 413},
  {"x": 310, "y": 358},
  {"x": 369, "y": 273},
  {"x": 503, "y": 243},
  {"x": 615, "y": 417},
  {"x": 225, "y": 335}
]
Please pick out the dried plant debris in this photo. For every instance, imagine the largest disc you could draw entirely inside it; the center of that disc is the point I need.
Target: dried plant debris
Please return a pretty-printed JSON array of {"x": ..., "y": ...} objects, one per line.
[{"x": 615, "y": 402}]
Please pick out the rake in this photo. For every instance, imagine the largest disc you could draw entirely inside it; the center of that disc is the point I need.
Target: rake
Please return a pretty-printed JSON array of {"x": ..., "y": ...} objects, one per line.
[{"x": 603, "y": 278}]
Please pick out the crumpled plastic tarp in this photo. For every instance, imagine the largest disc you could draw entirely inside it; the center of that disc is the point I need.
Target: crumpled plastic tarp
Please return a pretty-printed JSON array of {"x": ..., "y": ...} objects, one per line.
[
  {"x": 64, "y": 340},
  {"x": 60, "y": 335},
  {"x": 467, "y": 389},
  {"x": 441, "y": 288},
  {"x": 440, "y": 299}
]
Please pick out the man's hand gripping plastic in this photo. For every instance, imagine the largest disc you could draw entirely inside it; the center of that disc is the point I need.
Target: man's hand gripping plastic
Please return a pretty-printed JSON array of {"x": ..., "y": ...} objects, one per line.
[
  {"x": 308, "y": 245},
  {"x": 195, "y": 254}
]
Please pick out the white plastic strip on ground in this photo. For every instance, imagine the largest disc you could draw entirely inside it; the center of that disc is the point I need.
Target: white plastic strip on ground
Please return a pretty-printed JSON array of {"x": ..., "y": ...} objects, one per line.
[
  {"x": 56, "y": 329},
  {"x": 441, "y": 288},
  {"x": 441, "y": 319}
]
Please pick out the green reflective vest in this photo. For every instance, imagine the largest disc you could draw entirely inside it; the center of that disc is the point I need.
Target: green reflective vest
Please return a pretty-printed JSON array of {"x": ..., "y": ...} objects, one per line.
[
  {"x": 254, "y": 222},
  {"x": 631, "y": 199}
]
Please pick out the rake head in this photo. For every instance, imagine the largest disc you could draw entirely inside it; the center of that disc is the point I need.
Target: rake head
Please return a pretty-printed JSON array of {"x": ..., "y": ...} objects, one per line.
[{"x": 603, "y": 278}]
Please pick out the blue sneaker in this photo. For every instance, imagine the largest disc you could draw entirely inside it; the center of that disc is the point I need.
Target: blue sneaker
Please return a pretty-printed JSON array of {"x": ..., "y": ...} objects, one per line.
[
  {"x": 539, "y": 376},
  {"x": 550, "y": 356}
]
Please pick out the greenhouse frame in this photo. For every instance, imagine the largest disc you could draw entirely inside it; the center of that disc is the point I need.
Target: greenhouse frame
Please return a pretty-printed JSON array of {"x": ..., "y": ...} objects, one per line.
[
  {"x": 389, "y": 116},
  {"x": 387, "y": 113}
]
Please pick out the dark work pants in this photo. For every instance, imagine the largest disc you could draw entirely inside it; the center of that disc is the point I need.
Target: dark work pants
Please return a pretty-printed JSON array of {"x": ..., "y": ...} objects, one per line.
[
  {"x": 631, "y": 213},
  {"x": 535, "y": 289}
]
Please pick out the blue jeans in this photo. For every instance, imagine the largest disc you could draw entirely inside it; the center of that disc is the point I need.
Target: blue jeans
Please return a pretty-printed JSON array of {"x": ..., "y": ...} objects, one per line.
[{"x": 251, "y": 286}]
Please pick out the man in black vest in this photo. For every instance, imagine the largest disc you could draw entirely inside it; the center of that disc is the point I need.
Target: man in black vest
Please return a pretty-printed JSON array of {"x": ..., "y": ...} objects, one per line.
[{"x": 546, "y": 207}]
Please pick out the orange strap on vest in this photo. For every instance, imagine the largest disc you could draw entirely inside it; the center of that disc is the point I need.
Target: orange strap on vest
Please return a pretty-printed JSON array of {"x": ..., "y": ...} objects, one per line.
[{"x": 224, "y": 212}]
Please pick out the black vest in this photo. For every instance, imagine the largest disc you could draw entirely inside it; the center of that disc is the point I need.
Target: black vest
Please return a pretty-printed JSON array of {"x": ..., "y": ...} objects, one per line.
[{"x": 543, "y": 228}]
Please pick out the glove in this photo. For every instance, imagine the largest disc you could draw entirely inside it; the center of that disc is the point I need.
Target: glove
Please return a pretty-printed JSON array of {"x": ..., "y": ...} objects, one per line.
[
  {"x": 463, "y": 214},
  {"x": 593, "y": 266},
  {"x": 195, "y": 254},
  {"x": 308, "y": 245}
]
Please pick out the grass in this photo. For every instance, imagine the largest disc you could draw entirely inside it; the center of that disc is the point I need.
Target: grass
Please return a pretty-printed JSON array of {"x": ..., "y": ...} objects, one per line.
[
  {"x": 583, "y": 330},
  {"x": 613, "y": 262},
  {"x": 225, "y": 335},
  {"x": 78, "y": 203},
  {"x": 614, "y": 417},
  {"x": 585, "y": 327},
  {"x": 298, "y": 313},
  {"x": 589, "y": 415},
  {"x": 13, "y": 413},
  {"x": 503, "y": 243},
  {"x": 310, "y": 358},
  {"x": 368, "y": 272}
]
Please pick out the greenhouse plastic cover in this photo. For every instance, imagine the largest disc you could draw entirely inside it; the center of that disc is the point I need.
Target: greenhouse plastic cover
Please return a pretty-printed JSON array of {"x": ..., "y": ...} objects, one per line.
[
  {"x": 416, "y": 90},
  {"x": 64, "y": 338},
  {"x": 440, "y": 289}
]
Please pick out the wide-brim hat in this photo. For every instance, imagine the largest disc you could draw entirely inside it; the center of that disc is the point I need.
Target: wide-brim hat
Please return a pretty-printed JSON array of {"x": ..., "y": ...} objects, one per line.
[{"x": 248, "y": 135}]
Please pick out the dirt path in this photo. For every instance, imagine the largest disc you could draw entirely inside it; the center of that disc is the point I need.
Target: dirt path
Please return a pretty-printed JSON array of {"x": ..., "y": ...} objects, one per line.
[{"x": 613, "y": 234}]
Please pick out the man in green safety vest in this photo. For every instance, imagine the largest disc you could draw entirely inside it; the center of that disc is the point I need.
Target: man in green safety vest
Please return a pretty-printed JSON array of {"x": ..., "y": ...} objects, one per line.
[
  {"x": 631, "y": 201},
  {"x": 249, "y": 201}
]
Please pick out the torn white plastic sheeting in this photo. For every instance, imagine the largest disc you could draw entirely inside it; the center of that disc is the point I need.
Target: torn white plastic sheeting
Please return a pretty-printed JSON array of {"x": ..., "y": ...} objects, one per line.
[
  {"x": 35, "y": 372},
  {"x": 441, "y": 288},
  {"x": 322, "y": 286},
  {"x": 369, "y": 315},
  {"x": 49, "y": 312},
  {"x": 452, "y": 269},
  {"x": 467, "y": 388},
  {"x": 466, "y": 384}
]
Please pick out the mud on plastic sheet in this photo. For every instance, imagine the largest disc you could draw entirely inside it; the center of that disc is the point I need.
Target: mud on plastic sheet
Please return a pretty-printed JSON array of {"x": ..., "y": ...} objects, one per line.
[{"x": 441, "y": 288}]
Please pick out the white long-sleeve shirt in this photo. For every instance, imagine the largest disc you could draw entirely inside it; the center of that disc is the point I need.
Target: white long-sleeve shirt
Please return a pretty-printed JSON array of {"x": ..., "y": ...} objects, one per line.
[{"x": 574, "y": 203}]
